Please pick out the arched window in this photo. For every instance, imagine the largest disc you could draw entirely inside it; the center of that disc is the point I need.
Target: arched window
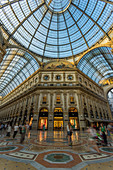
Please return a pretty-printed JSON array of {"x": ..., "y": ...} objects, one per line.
[
  {"x": 110, "y": 100},
  {"x": 85, "y": 112},
  {"x": 91, "y": 112}
]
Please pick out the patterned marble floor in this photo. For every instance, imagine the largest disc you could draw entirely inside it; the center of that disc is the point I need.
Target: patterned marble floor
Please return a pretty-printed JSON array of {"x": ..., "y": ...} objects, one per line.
[{"x": 50, "y": 150}]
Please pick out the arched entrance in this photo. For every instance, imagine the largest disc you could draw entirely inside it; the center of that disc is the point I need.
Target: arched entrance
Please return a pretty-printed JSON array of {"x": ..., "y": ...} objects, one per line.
[
  {"x": 91, "y": 112},
  {"x": 43, "y": 118},
  {"x": 73, "y": 117},
  {"x": 110, "y": 100},
  {"x": 86, "y": 116},
  {"x": 58, "y": 119}
]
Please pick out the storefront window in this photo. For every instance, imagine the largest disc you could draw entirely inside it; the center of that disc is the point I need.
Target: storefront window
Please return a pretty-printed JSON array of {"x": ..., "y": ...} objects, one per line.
[
  {"x": 73, "y": 117},
  {"x": 43, "y": 118}
]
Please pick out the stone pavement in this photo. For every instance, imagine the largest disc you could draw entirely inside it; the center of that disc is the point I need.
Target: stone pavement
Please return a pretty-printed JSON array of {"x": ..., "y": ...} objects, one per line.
[{"x": 50, "y": 150}]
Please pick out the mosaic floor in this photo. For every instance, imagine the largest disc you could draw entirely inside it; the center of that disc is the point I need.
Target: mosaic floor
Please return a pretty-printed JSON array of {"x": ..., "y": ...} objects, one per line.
[{"x": 50, "y": 150}]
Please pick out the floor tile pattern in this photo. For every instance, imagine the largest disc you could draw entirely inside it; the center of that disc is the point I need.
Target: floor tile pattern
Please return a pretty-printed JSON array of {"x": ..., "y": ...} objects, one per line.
[
  {"x": 50, "y": 150},
  {"x": 23, "y": 155}
]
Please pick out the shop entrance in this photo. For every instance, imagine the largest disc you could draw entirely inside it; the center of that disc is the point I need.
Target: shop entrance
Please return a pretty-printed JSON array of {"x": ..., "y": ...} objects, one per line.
[
  {"x": 58, "y": 119},
  {"x": 43, "y": 118},
  {"x": 73, "y": 117}
]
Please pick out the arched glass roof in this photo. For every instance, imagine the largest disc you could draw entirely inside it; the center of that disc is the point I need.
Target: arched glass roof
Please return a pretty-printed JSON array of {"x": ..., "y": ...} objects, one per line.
[
  {"x": 97, "y": 64},
  {"x": 15, "y": 67},
  {"x": 56, "y": 28}
]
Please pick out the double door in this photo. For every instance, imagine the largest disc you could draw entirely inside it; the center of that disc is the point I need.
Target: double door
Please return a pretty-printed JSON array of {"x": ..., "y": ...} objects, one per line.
[{"x": 58, "y": 123}]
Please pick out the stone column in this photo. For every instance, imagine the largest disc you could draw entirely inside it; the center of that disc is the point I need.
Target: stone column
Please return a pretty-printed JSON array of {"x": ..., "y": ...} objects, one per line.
[
  {"x": 29, "y": 107},
  {"x": 65, "y": 112},
  {"x": 24, "y": 107},
  {"x": 93, "y": 108},
  {"x": 109, "y": 111},
  {"x": 98, "y": 111},
  {"x": 50, "y": 115},
  {"x": 82, "y": 122},
  {"x": 101, "y": 108},
  {"x": 36, "y": 112},
  {"x": 19, "y": 110}
]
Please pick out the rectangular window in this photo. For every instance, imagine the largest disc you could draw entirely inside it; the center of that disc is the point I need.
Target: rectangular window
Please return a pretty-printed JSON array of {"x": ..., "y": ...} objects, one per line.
[
  {"x": 71, "y": 99},
  {"x": 58, "y": 99},
  {"x": 44, "y": 100}
]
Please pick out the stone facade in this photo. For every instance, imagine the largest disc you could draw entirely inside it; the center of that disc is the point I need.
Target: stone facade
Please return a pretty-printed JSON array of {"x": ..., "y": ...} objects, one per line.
[{"x": 60, "y": 86}]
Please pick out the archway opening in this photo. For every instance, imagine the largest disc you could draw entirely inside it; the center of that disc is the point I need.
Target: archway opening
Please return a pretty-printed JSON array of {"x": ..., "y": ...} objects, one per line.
[
  {"x": 58, "y": 119},
  {"x": 110, "y": 100},
  {"x": 43, "y": 118},
  {"x": 73, "y": 117},
  {"x": 91, "y": 112}
]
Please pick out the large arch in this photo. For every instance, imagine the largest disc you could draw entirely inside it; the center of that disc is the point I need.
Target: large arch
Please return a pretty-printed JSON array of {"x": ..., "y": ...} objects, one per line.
[
  {"x": 73, "y": 117},
  {"x": 56, "y": 34},
  {"x": 43, "y": 118},
  {"x": 58, "y": 118},
  {"x": 16, "y": 66},
  {"x": 97, "y": 64}
]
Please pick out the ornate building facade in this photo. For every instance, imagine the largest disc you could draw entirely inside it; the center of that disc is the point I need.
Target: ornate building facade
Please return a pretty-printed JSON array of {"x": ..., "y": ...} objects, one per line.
[{"x": 56, "y": 93}]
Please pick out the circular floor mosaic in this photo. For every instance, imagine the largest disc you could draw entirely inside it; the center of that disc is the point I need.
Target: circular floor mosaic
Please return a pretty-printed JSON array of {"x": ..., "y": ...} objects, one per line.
[
  {"x": 58, "y": 158},
  {"x": 7, "y": 148},
  {"x": 110, "y": 149}
]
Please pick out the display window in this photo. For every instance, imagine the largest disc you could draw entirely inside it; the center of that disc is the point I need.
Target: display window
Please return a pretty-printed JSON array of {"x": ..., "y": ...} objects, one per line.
[
  {"x": 43, "y": 121},
  {"x": 74, "y": 122}
]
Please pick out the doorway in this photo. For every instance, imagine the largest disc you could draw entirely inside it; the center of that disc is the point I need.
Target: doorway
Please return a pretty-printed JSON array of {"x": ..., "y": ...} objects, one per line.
[
  {"x": 58, "y": 119},
  {"x": 43, "y": 118},
  {"x": 73, "y": 117},
  {"x": 58, "y": 123}
]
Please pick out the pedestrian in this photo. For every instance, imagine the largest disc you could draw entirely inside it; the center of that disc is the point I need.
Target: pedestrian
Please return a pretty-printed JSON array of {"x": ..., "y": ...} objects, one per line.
[
  {"x": 20, "y": 127},
  {"x": 103, "y": 133},
  {"x": 27, "y": 132},
  {"x": 23, "y": 132},
  {"x": 69, "y": 133},
  {"x": 44, "y": 127},
  {"x": 92, "y": 138},
  {"x": 8, "y": 130},
  {"x": 109, "y": 130},
  {"x": 15, "y": 130}
]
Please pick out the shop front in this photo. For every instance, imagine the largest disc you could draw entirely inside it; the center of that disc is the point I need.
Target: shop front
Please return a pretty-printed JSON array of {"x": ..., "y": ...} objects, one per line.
[
  {"x": 43, "y": 118},
  {"x": 58, "y": 119},
  {"x": 73, "y": 117}
]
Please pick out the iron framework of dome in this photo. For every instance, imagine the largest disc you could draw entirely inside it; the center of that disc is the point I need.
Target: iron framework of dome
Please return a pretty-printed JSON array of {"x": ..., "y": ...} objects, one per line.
[
  {"x": 97, "y": 64},
  {"x": 56, "y": 28},
  {"x": 16, "y": 66}
]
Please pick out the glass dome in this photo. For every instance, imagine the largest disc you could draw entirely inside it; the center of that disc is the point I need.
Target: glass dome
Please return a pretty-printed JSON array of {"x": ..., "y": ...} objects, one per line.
[
  {"x": 97, "y": 64},
  {"x": 16, "y": 66},
  {"x": 56, "y": 28}
]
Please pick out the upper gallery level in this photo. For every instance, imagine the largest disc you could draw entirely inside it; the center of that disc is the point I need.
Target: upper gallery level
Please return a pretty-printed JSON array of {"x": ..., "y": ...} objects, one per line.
[{"x": 57, "y": 74}]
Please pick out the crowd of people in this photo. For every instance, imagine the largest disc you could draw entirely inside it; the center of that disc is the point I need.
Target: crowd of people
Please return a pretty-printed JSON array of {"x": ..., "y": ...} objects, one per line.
[
  {"x": 96, "y": 135},
  {"x": 7, "y": 129},
  {"x": 102, "y": 135}
]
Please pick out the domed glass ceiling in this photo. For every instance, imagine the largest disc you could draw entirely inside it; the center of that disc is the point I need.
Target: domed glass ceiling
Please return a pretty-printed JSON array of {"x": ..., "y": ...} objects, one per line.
[
  {"x": 16, "y": 66},
  {"x": 97, "y": 64},
  {"x": 56, "y": 28}
]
